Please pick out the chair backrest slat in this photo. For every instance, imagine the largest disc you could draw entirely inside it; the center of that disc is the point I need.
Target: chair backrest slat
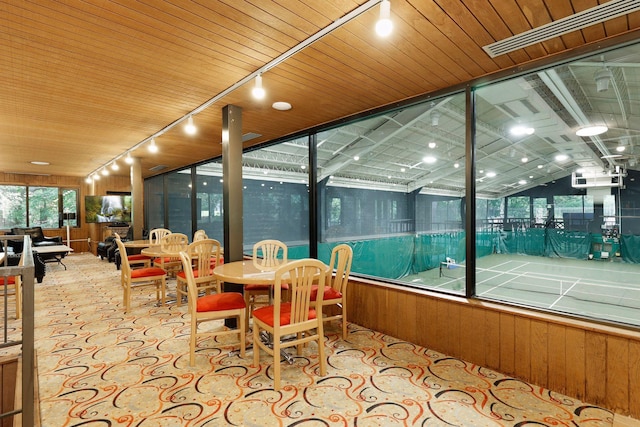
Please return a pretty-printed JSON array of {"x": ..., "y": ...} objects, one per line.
[
  {"x": 301, "y": 276},
  {"x": 157, "y": 234},
  {"x": 269, "y": 254}
]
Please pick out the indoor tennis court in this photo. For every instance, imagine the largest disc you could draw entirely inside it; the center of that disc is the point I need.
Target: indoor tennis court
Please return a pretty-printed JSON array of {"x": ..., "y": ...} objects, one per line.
[{"x": 594, "y": 288}]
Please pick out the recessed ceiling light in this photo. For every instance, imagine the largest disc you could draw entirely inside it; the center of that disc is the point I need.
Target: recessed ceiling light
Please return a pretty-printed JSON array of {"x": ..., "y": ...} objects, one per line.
[
  {"x": 592, "y": 130},
  {"x": 281, "y": 106},
  {"x": 491, "y": 174},
  {"x": 522, "y": 130},
  {"x": 429, "y": 159},
  {"x": 522, "y": 182},
  {"x": 561, "y": 157},
  {"x": 40, "y": 163}
]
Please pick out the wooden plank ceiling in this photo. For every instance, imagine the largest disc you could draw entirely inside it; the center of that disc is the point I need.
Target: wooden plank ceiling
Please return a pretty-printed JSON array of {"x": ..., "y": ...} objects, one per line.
[{"x": 84, "y": 81}]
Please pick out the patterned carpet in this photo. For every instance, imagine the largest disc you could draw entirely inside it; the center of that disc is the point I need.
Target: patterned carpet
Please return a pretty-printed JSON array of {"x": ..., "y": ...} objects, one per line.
[{"x": 100, "y": 367}]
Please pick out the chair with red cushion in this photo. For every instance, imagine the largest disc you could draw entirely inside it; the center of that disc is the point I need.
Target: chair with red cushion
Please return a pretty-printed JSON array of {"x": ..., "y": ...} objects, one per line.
[
  {"x": 172, "y": 243},
  {"x": 205, "y": 255},
  {"x": 14, "y": 282},
  {"x": 335, "y": 293},
  {"x": 267, "y": 255},
  {"x": 296, "y": 317},
  {"x": 136, "y": 260},
  {"x": 130, "y": 278},
  {"x": 224, "y": 305}
]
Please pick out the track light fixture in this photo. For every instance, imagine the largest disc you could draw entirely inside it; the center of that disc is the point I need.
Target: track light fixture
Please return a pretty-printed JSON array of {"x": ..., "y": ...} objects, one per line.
[
  {"x": 384, "y": 26},
  {"x": 105, "y": 171},
  {"x": 190, "y": 128},
  {"x": 115, "y": 166},
  {"x": 153, "y": 148},
  {"x": 128, "y": 160},
  {"x": 258, "y": 91}
]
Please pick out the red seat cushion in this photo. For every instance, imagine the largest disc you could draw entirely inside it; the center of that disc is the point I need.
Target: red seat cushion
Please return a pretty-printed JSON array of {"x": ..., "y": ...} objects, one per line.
[
  {"x": 266, "y": 314},
  {"x": 329, "y": 293},
  {"x": 11, "y": 280},
  {"x": 257, "y": 287},
  {"x": 220, "y": 302},
  {"x": 147, "y": 272},
  {"x": 165, "y": 260},
  {"x": 138, "y": 257}
]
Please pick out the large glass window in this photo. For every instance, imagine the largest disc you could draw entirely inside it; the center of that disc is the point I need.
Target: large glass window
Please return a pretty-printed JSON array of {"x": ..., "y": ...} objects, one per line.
[
  {"x": 179, "y": 202},
  {"x": 392, "y": 187},
  {"x": 154, "y": 202},
  {"x": 13, "y": 206},
  {"x": 565, "y": 243},
  {"x": 46, "y": 207},
  {"x": 209, "y": 213},
  {"x": 276, "y": 196}
]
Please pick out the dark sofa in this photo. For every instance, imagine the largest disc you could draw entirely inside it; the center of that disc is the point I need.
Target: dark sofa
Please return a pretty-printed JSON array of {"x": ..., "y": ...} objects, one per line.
[
  {"x": 37, "y": 236},
  {"x": 37, "y": 239}
]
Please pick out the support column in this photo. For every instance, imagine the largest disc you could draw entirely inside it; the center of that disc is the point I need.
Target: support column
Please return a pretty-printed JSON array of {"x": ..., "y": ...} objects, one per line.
[
  {"x": 232, "y": 192},
  {"x": 232, "y": 182},
  {"x": 137, "y": 199}
]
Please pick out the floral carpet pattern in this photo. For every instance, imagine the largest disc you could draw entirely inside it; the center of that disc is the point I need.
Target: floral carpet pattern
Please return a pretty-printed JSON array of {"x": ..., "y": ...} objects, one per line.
[{"x": 100, "y": 367}]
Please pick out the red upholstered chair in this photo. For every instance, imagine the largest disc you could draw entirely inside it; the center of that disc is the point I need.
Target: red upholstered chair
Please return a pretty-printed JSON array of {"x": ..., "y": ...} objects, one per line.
[
  {"x": 267, "y": 255},
  {"x": 296, "y": 317},
  {"x": 156, "y": 234},
  {"x": 130, "y": 278},
  {"x": 200, "y": 235},
  {"x": 218, "y": 306},
  {"x": 172, "y": 243},
  {"x": 205, "y": 255},
  {"x": 136, "y": 260},
  {"x": 13, "y": 285},
  {"x": 335, "y": 293}
]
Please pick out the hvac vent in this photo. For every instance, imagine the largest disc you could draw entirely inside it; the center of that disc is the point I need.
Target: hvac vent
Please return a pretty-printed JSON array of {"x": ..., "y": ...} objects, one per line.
[
  {"x": 250, "y": 135},
  {"x": 158, "y": 168},
  {"x": 586, "y": 18}
]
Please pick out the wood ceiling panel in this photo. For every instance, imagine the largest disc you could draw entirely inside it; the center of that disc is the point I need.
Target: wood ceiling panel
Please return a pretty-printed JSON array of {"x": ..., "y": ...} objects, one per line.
[{"x": 83, "y": 81}]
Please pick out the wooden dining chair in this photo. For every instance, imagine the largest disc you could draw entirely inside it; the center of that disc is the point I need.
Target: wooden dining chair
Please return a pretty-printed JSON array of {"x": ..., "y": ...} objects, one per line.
[
  {"x": 139, "y": 277},
  {"x": 135, "y": 260},
  {"x": 156, "y": 234},
  {"x": 13, "y": 285},
  {"x": 205, "y": 255},
  {"x": 296, "y": 317},
  {"x": 267, "y": 255},
  {"x": 200, "y": 235},
  {"x": 335, "y": 293},
  {"x": 224, "y": 305},
  {"x": 172, "y": 243}
]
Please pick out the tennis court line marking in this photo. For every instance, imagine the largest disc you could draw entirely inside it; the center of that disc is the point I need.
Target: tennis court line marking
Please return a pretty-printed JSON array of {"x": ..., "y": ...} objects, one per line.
[{"x": 564, "y": 292}]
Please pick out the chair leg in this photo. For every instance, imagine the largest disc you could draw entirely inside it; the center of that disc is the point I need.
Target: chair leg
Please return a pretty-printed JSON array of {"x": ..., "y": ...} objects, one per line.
[
  {"x": 256, "y": 346},
  {"x": 321, "y": 357},
  {"x": 243, "y": 334},
  {"x": 163, "y": 286},
  {"x": 276, "y": 365},
  {"x": 344, "y": 322},
  {"x": 179, "y": 288},
  {"x": 192, "y": 340}
]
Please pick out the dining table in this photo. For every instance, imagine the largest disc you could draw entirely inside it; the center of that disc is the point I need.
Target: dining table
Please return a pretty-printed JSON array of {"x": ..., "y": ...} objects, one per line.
[
  {"x": 137, "y": 244},
  {"x": 247, "y": 272}
]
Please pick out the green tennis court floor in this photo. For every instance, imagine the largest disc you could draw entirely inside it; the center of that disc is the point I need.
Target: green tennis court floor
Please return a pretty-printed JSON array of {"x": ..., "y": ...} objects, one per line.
[{"x": 600, "y": 289}]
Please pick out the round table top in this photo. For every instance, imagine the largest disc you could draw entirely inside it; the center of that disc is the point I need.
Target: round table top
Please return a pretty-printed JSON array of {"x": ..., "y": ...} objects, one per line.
[
  {"x": 156, "y": 251},
  {"x": 136, "y": 243},
  {"x": 244, "y": 272}
]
